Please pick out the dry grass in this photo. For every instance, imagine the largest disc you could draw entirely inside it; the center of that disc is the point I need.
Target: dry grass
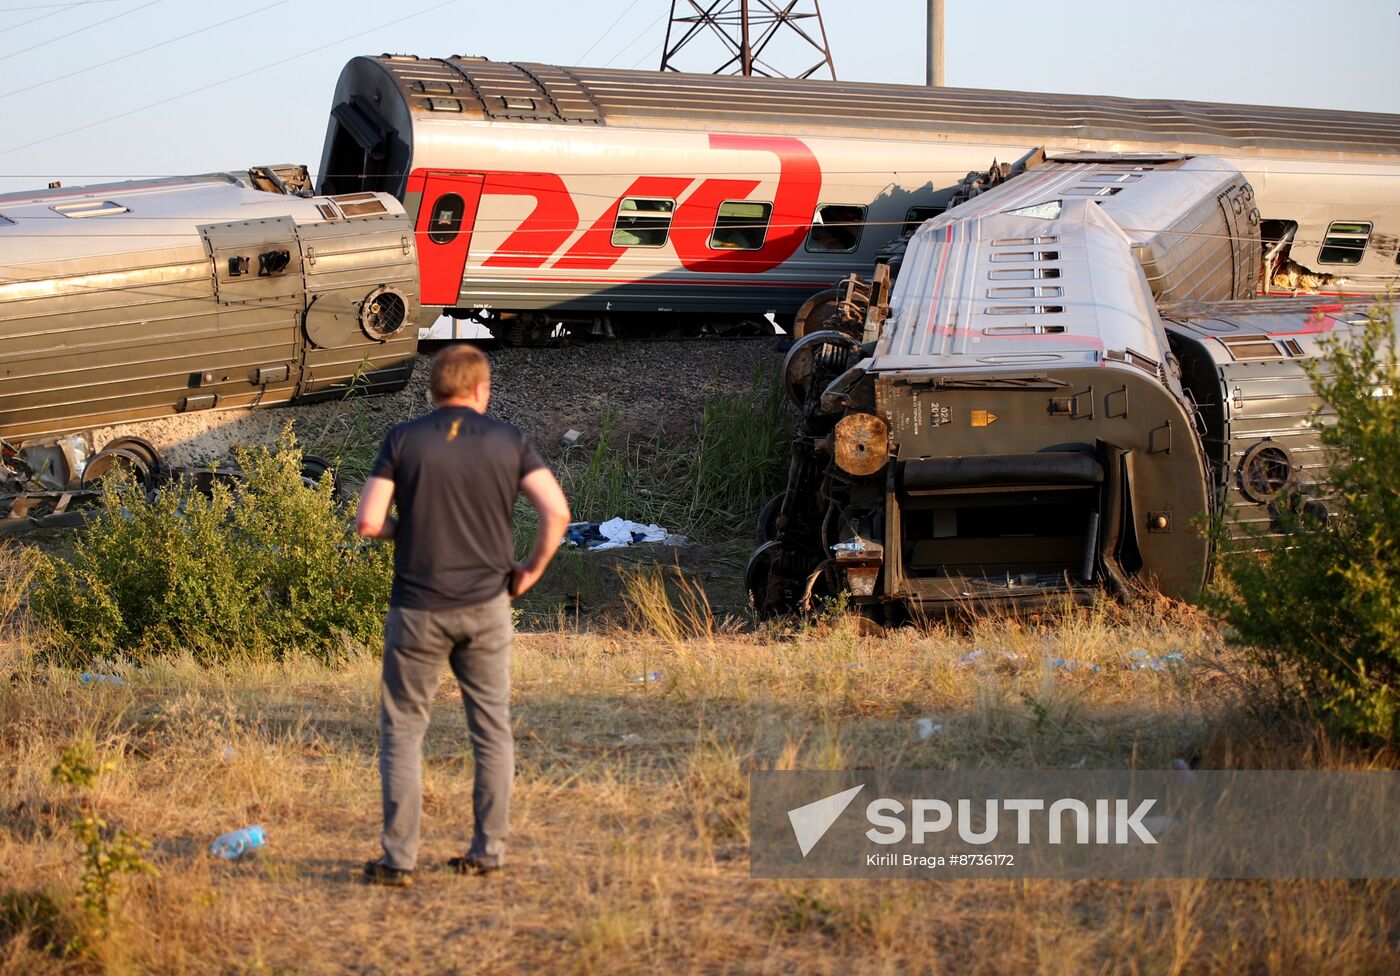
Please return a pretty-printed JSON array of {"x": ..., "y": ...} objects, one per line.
[{"x": 630, "y": 813}]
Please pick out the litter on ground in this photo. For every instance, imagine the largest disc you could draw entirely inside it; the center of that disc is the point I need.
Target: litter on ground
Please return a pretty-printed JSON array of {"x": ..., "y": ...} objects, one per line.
[{"x": 615, "y": 533}]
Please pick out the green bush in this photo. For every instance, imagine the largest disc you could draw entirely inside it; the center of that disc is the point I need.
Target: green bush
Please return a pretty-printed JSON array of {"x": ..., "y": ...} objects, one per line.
[
  {"x": 1323, "y": 606},
  {"x": 261, "y": 569}
]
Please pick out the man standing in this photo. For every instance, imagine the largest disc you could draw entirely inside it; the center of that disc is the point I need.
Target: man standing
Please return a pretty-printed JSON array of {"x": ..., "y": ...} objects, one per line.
[{"x": 454, "y": 475}]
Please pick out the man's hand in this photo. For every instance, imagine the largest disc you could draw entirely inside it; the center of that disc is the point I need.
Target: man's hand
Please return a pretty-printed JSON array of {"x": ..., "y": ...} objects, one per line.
[
  {"x": 373, "y": 519},
  {"x": 522, "y": 577}
]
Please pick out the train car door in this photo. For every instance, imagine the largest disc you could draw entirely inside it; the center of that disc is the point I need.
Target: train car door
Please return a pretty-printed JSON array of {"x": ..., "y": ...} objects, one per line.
[
  {"x": 250, "y": 356},
  {"x": 446, "y": 216}
]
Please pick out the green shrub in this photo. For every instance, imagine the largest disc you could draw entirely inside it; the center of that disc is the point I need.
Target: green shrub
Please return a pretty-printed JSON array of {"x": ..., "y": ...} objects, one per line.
[
  {"x": 261, "y": 569},
  {"x": 1323, "y": 607}
]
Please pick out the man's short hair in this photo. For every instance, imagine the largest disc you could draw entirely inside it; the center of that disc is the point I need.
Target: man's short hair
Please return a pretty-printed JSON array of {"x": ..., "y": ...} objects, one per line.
[{"x": 456, "y": 371}]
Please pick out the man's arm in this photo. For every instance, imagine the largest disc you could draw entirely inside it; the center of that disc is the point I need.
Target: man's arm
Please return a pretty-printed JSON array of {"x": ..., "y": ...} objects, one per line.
[
  {"x": 547, "y": 498},
  {"x": 373, "y": 518}
]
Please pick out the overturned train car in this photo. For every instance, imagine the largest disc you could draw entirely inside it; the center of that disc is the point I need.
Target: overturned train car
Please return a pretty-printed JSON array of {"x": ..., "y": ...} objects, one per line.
[
  {"x": 138, "y": 300},
  {"x": 1019, "y": 422}
]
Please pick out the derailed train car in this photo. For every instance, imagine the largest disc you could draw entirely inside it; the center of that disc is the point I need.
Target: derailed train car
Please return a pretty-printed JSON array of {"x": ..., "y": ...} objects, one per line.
[
  {"x": 634, "y": 202},
  {"x": 138, "y": 300},
  {"x": 1019, "y": 422}
]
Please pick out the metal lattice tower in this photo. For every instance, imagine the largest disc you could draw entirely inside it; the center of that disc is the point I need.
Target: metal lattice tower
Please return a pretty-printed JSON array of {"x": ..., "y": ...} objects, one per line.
[{"x": 750, "y": 35}]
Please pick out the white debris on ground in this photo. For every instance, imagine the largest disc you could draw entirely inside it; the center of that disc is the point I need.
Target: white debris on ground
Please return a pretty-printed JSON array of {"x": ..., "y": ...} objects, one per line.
[{"x": 615, "y": 533}]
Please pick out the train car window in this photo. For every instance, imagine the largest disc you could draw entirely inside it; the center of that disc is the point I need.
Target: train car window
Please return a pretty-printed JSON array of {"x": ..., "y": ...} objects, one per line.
[
  {"x": 447, "y": 218},
  {"x": 1250, "y": 347},
  {"x": 1049, "y": 210},
  {"x": 917, "y": 215},
  {"x": 642, "y": 222},
  {"x": 359, "y": 204},
  {"x": 740, "y": 225},
  {"x": 1092, "y": 191},
  {"x": 836, "y": 227},
  {"x": 1345, "y": 242},
  {"x": 89, "y": 208},
  {"x": 1014, "y": 274}
]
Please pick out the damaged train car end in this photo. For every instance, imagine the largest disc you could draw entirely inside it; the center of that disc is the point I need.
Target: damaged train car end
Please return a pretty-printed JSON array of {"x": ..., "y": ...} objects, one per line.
[
  {"x": 134, "y": 301},
  {"x": 1015, "y": 432},
  {"x": 1019, "y": 423}
]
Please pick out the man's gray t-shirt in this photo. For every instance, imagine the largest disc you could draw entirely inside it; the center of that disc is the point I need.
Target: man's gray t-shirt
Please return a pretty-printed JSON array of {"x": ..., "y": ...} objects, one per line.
[{"x": 456, "y": 473}]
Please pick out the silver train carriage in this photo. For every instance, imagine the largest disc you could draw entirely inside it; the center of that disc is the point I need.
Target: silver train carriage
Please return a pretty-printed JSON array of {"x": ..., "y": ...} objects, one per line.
[
  {"x": 132, "y": 301},
  {"x": 630, "y": 200},
  {"x": 1018, "y": 421}
]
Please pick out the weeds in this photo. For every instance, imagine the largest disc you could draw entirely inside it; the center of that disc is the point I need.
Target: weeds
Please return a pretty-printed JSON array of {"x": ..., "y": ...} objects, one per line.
[
  {"x": 704, "y": 485},
  {"x": 109, "y": 854},
  {"x": 17, "y": 566},
  {"x": 666, "y": 602},
  {"x": 265, "y": 567}
]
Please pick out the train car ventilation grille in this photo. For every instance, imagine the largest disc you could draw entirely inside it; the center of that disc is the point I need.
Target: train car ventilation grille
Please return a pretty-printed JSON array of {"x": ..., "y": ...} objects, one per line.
[
  {"x": 383, "y": 314},
  {"x": 1265, "y": 471}
]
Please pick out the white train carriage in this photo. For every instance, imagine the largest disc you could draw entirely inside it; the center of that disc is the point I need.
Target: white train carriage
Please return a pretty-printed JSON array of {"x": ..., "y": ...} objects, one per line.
[
  {"x": 132, "y": 301},
  {"x": 606, "y": 198}
]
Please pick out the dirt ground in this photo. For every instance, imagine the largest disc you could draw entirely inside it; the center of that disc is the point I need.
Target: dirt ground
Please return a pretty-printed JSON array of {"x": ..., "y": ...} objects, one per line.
[{"x": 645, "y": 386}]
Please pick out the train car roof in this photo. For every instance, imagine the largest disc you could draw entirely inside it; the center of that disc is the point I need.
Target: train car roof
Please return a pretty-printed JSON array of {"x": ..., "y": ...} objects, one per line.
[
  {"x": 464, "y": 87},
  {"x": 1026, "y": 289},
  {"x": 61, "y": 224},
  {"x": 1270, "y": 328},
  {"x": 1143, "y": 195}
]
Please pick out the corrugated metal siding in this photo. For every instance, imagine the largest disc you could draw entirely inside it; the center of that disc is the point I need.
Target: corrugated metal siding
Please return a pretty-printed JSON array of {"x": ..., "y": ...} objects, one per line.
[{"x": 779, "y": 102}]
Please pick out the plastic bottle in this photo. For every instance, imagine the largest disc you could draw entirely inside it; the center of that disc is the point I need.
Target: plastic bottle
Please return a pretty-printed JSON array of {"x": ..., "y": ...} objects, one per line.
[{"x": 235, "y": 844}]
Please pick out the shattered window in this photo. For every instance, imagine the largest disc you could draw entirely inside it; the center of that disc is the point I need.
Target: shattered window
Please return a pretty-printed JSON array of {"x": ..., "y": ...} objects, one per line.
[
  {"x": 1345, "y": 242},
  {"x": 5, "y": 221},
  {"x": 836, "y": 227},
  {"x": 741, "y": 225},
  {"x": 642, "y": 222},
  {"x": 917, "y": 215}
]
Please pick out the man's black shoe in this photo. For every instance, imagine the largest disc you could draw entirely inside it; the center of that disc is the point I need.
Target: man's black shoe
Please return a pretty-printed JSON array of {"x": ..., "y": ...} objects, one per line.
[
  {"x": 378, "y": 873},
  {"x": 470, "y": 865}
]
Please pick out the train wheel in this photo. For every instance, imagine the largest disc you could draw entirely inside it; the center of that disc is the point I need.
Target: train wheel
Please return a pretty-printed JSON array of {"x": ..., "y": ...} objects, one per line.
[
  {"x": 526, "y": 329},
  {"x": 773, "y": 585},
  {"x": 314, "y": 468},
  {"x": 820, "y": 313},
  {"x": 129, "y": 456},
  {"x": 814, "y": 361},
  {"x": 768, "y": 517}
]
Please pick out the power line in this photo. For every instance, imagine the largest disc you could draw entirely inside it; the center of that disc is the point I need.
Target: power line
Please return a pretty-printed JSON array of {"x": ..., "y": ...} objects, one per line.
[
  {"x": 53, "y": 6},
  {"x": 628, "y": 46},
  {"x": 232, "y": 78},
  {"x": 608, "y": 30},
  {"x": 132, "y": 54},
  {"x": 61, "y": 8},
  {"x": 80, "y": 30}
]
